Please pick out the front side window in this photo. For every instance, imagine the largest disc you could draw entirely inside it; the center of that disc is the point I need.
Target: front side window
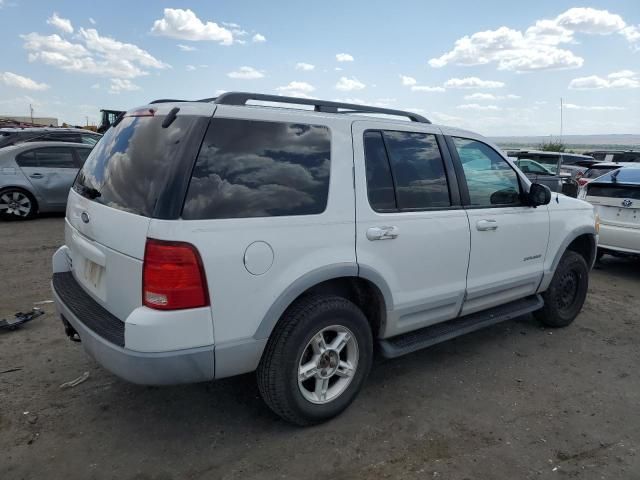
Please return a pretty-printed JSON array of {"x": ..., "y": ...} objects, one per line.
[
  {"x": 249, "y": 168},
  {"x": 490, "y": 179}
]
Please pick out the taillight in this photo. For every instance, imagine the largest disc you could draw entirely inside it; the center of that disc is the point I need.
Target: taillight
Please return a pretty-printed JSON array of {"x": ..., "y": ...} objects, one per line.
[
  {"x": 582, "y": 182},
  {"x": 173, "y": 277}
]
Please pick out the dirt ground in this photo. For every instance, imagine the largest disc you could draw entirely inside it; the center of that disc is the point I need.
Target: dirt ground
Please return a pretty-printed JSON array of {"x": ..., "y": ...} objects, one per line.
[{"x": 515, "y": 401}]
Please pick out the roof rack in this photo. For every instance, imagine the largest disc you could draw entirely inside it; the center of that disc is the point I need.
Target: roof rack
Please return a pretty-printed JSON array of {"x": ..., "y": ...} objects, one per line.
[{"x": 241, "y": 98}]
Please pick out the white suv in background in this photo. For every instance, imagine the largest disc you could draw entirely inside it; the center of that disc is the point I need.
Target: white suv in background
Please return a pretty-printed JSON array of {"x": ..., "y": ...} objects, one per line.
[{"x": 213, "y": 238}]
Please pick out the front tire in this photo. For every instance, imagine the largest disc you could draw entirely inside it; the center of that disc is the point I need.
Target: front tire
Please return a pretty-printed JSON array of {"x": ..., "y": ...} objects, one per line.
[
  {"x": 567, "y": 292},
  {"x": 317, "y": 359}
]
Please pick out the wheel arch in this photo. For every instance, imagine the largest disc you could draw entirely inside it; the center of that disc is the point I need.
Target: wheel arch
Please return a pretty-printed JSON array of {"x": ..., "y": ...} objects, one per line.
[
  {"x": 582, "y": 240},
  {"x": 369, "y": 293}
]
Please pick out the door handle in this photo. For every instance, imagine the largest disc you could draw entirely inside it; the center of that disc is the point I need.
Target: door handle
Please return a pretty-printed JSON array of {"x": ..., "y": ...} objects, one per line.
[
  {"x": 486, "y": 225},
  {"x": 36, "y": 175},
  {"x": 382, "y": 233}
]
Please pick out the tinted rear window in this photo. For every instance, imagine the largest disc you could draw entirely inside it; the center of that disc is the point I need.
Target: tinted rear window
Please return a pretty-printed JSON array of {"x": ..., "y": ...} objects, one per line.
[
  {"x": 596, "y": 172},
  {"x": 137, "y": 162},
  {"x": 249, "y": 168},
  {"x": 622, "y": 175}
]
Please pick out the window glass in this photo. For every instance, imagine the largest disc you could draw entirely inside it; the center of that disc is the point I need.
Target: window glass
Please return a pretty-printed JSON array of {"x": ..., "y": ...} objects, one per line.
[
  {"x": 89, "y": 139},
  {"x": 27, "y": 159},
  {"x": 83, "y": 153},
  {"x": 418, "y": 170},
  {"x": 379, "y": 180},
  {"x": 55, "y": 157},
  {"x": 490, "y": 179},
  {"x": 249, "y": 168}
]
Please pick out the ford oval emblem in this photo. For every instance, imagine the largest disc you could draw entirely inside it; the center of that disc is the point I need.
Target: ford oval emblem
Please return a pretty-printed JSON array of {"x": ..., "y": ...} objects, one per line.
[
  {"x": 627, "y": 203},
  {"x": 85, "y": 217}
]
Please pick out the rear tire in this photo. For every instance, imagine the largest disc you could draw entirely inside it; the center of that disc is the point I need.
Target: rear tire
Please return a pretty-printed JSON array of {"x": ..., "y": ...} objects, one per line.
[
  {"x": 567, "y": 292},
  {"x": 17, "y": 204},
  {"x": 316, "y": 360}
]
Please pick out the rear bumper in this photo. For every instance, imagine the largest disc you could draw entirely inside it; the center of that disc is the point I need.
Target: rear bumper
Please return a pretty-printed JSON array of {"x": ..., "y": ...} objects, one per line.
[
  {"x": 621, "y": 239},
  {"x": 163, "y": 368}
]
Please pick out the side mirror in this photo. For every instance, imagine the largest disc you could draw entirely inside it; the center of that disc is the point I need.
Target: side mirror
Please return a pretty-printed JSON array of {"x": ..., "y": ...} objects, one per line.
[{"x": 539, "y": 195}]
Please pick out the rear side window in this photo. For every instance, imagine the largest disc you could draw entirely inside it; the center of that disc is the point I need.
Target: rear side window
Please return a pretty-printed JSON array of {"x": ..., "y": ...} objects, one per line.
[
  {"x": 405, "y": 171},
  {"x": 379, "y": 181},
  {"x": 83, "y": 153},
  {"x": 50, "y": 157},
  {"x": 249, "y": 168}
]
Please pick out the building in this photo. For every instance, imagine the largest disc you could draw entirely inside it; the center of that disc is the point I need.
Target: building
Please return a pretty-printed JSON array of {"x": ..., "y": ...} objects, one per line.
[{"x": 42, "y": 121}]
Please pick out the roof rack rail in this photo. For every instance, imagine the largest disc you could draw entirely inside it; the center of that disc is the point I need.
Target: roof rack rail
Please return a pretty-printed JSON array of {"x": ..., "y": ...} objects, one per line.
[
  {"x": 168, "y": 100},
  {"x": 241, "y": 98}
]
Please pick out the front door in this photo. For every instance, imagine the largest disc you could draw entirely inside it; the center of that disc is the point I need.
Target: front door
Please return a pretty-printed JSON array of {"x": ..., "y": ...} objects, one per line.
[
  {"x": 508, "y": 238},
  {"x": 411, "y": 231}
]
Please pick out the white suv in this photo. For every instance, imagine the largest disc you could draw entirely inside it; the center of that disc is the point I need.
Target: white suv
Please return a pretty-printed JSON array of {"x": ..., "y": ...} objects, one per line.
[{"x": 213, "y": 238}]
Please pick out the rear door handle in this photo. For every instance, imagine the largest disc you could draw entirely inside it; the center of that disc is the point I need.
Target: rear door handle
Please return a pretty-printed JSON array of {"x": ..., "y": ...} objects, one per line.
[
  {"x": 382, "y": 233},
  {"x": 486, "y": 225},
  {"x": 36, "y": 175}
]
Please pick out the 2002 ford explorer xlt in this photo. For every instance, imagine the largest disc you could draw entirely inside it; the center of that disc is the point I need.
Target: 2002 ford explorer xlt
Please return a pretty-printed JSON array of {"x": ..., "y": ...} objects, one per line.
[{"x": 212, "y": 238}]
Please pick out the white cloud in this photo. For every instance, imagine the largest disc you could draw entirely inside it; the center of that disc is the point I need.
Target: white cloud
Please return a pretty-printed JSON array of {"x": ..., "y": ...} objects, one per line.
[
  {"x": 246, "y": 73},
  {"x": 408, "y": 81},
  {"x": 344, "y": 57},
  {"x": 95, "y": 86},
  {"x": 476, "y": 106},
  {"x": 122, "y": 85},
  {"x": 191, "y": 68},
  {"x": 621, "y": 79},
  {"x": 307, "y": 67},
  {"x": 18, "y": 81},
  {"x": 472, "y": 82},
  {"x": 186, "y": 48},
  {"x": 490, "y": 96},
  {"x": 92, "y": 21},
  {"x": 258, "y": 38},
  {"x": 538, "y": 47},
  {"x": 426, "y": 88},
  {"x": 294, "y": 86},
  {"x": 185, "y": 25},
  {"x": 63, "y": 24},
  {"x": 97, "y": 55},
  {"x": 349, "y": 84},
  {"x": 572, "y": 106},
  {"x": 296, "y": 89}
]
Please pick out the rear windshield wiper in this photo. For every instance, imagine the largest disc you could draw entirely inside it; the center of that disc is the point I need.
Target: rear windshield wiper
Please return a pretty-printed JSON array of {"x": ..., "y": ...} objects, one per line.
[{"x": 89, "y": 192}]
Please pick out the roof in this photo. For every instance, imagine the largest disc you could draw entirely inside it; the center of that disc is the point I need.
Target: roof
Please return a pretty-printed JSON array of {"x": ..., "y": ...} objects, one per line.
[
  {"x": 44, "y": 129},
  {"x": 545, "y": 152}
]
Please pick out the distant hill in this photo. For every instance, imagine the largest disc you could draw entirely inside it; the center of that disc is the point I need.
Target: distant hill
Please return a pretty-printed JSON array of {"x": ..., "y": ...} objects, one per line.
[{"x": 575, "y": 142}]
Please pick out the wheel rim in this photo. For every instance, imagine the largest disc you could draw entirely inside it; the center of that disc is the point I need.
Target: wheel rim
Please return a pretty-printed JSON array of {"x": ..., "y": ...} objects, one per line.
[
  {"x": 328, "y": 364},
  {"x": 568, "y": 289},
  {"x": 15, "y": 203}
]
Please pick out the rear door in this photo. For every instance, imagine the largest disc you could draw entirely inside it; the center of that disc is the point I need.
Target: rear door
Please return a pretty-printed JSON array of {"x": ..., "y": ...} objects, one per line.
[
  {"x": 51, "y": 171},
  {"x": 508, "y": 238},
  {"x": 411, "y": 230}
]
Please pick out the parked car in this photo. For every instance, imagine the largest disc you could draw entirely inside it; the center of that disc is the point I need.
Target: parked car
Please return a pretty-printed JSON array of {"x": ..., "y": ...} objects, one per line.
[
  {"x": 13, "y": 136},
  {"x": 537, "y": 172},
  {"x": 290, "y": 241},
  {"x": 616, "y": 199},
  {"x": 617, "y": 156},
  {"x": 37, "y": 176},
  {"x": 568, "y": 166},
  {"x": 598, "y": 169}
]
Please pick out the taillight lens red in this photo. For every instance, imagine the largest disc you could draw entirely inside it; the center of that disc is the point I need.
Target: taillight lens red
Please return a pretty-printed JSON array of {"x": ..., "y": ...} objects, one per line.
[
  {"x": 582, "y": 182},
  {"x": 173, "y": 277}
]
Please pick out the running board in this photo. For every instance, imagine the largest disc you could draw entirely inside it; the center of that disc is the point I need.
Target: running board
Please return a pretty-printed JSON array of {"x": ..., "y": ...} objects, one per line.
[{"x": 441, "y": 332}]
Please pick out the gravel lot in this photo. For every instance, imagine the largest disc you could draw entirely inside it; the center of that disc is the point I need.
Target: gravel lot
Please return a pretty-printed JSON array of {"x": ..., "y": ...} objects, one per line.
[{"x": 515, "y": 401}]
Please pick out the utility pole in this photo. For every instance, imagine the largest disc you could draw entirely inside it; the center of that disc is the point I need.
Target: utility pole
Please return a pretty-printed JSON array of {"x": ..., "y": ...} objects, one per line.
[
  {"x": 561, "y": 108},
  {"x": 87, "y": 117},
  {"x": 31, "y": 110}
]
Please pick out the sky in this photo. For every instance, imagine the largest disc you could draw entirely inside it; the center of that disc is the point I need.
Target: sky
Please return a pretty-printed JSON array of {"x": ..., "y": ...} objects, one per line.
[{"x": 495, "y": 67}]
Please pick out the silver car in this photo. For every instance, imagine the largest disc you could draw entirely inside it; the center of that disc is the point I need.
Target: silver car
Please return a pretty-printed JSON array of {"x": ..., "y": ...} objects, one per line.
[{"x": 36, "y": 177}]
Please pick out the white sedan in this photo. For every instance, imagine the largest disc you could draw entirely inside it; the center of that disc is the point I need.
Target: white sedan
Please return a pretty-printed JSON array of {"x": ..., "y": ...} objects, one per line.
[{"x": 616, "y": 199}]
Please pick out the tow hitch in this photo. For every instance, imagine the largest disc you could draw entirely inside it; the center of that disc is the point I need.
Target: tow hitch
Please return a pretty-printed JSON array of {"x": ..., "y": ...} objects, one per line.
[{"x": 70, "y": 331}]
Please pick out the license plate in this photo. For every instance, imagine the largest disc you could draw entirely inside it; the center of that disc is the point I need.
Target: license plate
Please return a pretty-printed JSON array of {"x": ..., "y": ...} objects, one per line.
[{"x": 92, "y": 273}]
